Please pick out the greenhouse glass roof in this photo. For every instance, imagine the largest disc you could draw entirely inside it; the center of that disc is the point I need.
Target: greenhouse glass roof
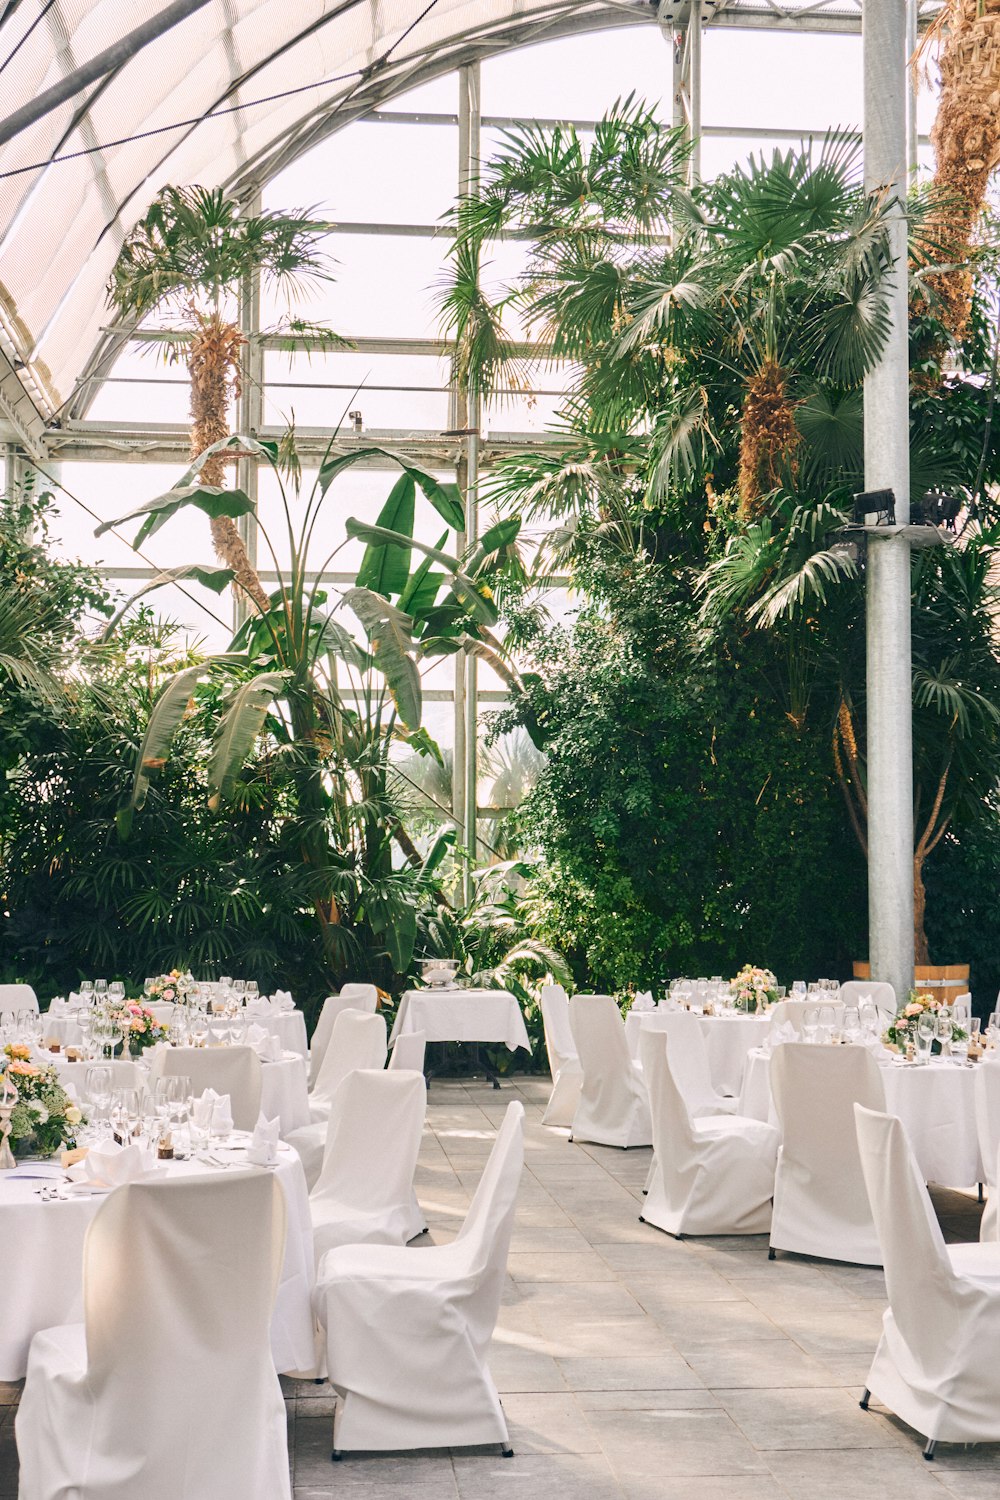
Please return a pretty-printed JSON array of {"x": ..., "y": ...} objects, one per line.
[{"x": 228, "y": 95}]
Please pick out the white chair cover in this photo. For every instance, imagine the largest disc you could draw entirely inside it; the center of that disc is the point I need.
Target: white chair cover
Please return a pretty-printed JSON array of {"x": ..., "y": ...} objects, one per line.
[
  {"x": 613, "y": 1108},
  {"x": 358, "y": 1040},
  {"x": 408, "y": 1051},
  {"x": 820, "y": 1201},
  {"x": 936, "y": 1364},
  {"x": 351, "y": 997},
  {"x": 564, "y": 1065},
  {"x": 364, "y": 1195},
  {"x": 878, "y": 990},
  {"x": 689, "y": 1064},
  {"x": 228, "y": 1070},
  {"x": 18, "y": 997},
  {"x": 408, "y": 1331},
  {"x": 711, "y": 1176},
  {"x": 786, "y": 1013},
  {"x": 168, "y": 1391},
  {"x": 359, "y": 1043},
  {"x": 987, "y": 1095}
]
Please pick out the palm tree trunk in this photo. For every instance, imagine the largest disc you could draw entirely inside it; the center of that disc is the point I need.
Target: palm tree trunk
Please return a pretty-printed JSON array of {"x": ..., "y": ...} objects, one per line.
[
  {"x": 921, "y": 952},
  {"x": 214, "y": 367},
  {"x": 768, "y": 438},
  {"x": 966, "y": 140}
]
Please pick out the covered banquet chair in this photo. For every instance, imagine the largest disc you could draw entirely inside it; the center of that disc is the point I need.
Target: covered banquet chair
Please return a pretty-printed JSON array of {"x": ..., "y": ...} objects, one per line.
[
  {"x": 564, "y": 1064},
  {"x": 713, "y": 1175},
  {"x": 228, "y": 1070},
  {"x": 986, "y": 1087},
  {"x": 351, "y": 997},
  {"x": 408, "y": 1052},
  {"x": 820, "y": 1201},
  {"x": 408, "y": 1331},
  {"x": 689, "y": 1064},
  {"x": 613, "y": 1109},
  {"x": 364, "y": 1195},
  {"x": 936, "y": 1363},
  {"x": 18, "y": 997},
  {"x": 168, "y": 1390},
  {"x": 358, "y": 1041},
  {"x": 878, "y": 991}
]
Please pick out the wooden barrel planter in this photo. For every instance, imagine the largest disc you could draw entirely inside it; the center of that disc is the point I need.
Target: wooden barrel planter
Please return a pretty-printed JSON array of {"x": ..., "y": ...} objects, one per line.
[{"x": 944, "y": 981}]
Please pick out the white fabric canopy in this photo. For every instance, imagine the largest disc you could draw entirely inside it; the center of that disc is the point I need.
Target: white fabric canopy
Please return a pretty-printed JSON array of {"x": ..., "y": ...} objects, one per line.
[{"x": 201, "y": 103}]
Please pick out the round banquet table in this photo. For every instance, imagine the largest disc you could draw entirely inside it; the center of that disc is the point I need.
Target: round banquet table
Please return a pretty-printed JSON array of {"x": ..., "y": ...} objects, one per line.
[
  {"x": 728, "y": 1039},
  {"x": 289, "y": 1026},
  {"x": 936, "y": 1104},
  {"x": 41, "y": 1252},
  {"x": 284, "y": 1085}
]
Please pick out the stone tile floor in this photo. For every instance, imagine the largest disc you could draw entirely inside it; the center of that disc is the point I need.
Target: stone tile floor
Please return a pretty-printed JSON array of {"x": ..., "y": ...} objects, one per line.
[{"x": 632, "y": 1365}]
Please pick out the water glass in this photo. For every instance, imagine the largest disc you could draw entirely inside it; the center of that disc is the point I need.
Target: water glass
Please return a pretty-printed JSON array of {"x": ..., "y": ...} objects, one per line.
[
  {"x": 943, "y": 1027},
  {"x": 926, "y": 1030},
  {"x": 810, "y": 1023}
]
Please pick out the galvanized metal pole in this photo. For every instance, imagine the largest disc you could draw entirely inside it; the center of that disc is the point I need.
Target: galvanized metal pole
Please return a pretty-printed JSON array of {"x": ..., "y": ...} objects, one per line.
[
  {"x": 471, "y": 117},
  {"x": 912, "y": 135},
  {"x": 887, "y": 466},
  {"x": 694, "y": 86}
]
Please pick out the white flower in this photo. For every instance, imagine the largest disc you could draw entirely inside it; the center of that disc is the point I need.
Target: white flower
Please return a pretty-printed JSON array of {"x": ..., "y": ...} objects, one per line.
[
  {"x": 73, "y": 1115},
  {"x": 38, "y": 1110}
]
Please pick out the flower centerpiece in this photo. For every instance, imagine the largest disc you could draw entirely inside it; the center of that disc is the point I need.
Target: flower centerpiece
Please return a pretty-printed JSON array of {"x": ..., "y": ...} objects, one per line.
[
  {"x": 753, "y": 989},
  {"x": 173, "y": 988},
  {"x": 143, "y": 1029},
  {"x": 44, "y": 1118},
  {"x": 902, "y": 1030}
]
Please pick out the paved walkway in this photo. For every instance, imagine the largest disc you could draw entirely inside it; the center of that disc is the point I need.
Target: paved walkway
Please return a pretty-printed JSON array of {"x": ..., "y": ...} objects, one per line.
[{"x": 635, "y": 1366}]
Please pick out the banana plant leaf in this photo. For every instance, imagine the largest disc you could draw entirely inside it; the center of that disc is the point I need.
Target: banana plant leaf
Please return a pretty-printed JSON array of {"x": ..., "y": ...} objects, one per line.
[
  {"x": 389, "y": 631},
  {"x": 444, "y": 497},
  {"x": 386, "y": 570},
  {"x": 239, "y": 728},
  {"x": 165, "y": 717},
  {"x": 474, "y": 595},
  {"x": 215, "y": 579},
  {"x": 205, "y": 497}
]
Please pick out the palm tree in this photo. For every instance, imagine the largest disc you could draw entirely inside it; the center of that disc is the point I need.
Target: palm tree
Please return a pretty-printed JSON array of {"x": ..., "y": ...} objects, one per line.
[
  {"x": 754, "y": 303},
  {"x": 966, "y": 140},
  {"x": 189, "y": 257}
]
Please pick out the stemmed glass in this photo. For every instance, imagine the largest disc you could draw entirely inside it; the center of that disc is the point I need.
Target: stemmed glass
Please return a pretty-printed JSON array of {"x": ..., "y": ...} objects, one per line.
[
  {"x": 86, "y": 991},
  {"x": 100, "y": 991},
  {"x": 926, "y": 1029},
  {"x": 827, "y": 1022},
  {"x": 116, "y": 992},
  {"x": 943, "y": 1027},
  {"x": 852, "y": 1026},
  {"x": 810, "y": 1022}
]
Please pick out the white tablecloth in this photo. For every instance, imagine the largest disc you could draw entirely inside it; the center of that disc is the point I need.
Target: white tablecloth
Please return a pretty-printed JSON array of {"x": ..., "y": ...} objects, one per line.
[
  {"x": 41, "y": 1253},
  {"x": 288, "y": 1026},
  {"x": 463, "y": 1016},
  {"x": 728, "y": 1039},
  {"x": 284, "y": 1092},
  {"x": 936, "y": 1104}
]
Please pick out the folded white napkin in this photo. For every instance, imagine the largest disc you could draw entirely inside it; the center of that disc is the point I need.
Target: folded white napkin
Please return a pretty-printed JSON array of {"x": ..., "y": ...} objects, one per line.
[
  {"x": 643, "y": 1001},
  {"x": 111, "y": 1166},
  {"x": 263, "y": 1148},
  {"x": 259, "y": 1007},
  {"x": 282, "y": 1001},
  {"x": 264, "y": 1043},
  {"x": 213, "y": 1112},
  {"x": 783, "y": 1032}
]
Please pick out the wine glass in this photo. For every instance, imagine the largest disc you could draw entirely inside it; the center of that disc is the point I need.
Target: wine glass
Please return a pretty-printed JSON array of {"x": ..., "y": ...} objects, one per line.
[
  {"x": 148, "y": 986},
  {"x": 926, "y": 1030},
  {"x": 943, "y": 1028},
  {"x": 97, "y": 1089},
  {"x": 100, "y": 990},
  {"x": 827, "y": 1022},
  {"x": 86, "y": 991},
  {"x": 116, "y": 991},
  {"x": 798, "y": 989},
  {"x": 851, "y": 1026},
  {"x": 253, "y": 991},
  {"x": 810, "y": 1022}
]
